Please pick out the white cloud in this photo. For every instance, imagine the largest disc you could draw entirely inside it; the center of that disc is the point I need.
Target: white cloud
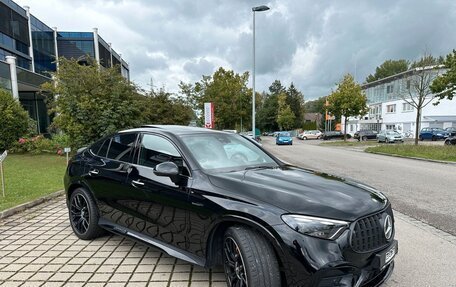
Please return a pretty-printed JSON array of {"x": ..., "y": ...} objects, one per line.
[{"x": 311, "y": 43}]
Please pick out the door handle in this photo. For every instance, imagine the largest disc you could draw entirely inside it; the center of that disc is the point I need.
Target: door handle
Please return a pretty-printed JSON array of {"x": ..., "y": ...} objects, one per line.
[
  {"x": 136, "y": 183},
  {"x": 93, "y": 172}
]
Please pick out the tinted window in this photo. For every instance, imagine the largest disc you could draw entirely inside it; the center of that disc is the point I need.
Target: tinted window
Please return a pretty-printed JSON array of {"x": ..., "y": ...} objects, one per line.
[
  {"x": 156, "y": 149},
  {"x": 100, "y": 148},
  {"x": 121, "y": 147}
]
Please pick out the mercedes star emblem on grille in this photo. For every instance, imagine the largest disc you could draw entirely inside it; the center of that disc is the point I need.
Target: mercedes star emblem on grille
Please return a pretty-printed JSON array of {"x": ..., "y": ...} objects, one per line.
[{"x": 388, "y": 227}]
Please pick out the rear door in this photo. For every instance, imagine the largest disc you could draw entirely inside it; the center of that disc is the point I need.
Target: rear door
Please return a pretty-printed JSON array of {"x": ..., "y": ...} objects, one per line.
[{"x": 107, "y": 178}]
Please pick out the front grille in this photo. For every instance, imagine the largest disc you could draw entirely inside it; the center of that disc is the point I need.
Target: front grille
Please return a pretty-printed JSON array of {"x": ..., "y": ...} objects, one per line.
[{"x": 368, "y": 234}]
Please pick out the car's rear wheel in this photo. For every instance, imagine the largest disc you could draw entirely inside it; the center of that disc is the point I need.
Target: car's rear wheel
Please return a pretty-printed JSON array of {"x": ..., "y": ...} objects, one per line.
[
  {"x": 249, "y": 259},
  {"x": 447, "y": 142},
  {"x": 364, "y": 139},
  {"x": 304, "y": 138},
  {"x": 83, "y": 214}
]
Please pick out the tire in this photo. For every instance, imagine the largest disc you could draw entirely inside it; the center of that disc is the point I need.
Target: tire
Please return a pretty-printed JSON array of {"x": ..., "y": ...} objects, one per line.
[
  {"x": 304, "y": 138},
  {"x": 387, "y": 140},
  {"x": 421, "y": 138},
  {"x": 249, "y": 259},
  {"x": 83, "y": 215},
  {"x": 433, "y": 138},
  {"x": 364, "y": 139},
  {"x": 447, "y": 142}
]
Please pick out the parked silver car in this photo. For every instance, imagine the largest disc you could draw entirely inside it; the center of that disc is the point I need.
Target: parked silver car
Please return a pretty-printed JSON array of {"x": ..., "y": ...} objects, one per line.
[{"x": 390, "y": 137}]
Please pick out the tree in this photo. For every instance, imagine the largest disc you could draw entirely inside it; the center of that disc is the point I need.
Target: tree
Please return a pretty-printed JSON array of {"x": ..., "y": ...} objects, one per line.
[
  {"x": 14, "y": 120},
  {"x": 285, "y": 116},
  {"x": 388, "y": 68},
  {"x": 348, "y": 100},
  {"x": 295, "y": 99},
  {"x": 267, "y": 114},
  {"x": 444, "y": 86},
  {"x": 164, "y": 108},
  {"x": 417, "y": 88},
  {"x": 92, "y": 101},
  {"x": 230, "y": 95}
]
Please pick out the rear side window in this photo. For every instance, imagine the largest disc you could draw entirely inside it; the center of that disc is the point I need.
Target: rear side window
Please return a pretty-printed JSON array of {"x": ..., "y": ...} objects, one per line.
[
  {"x": 100, "y": 148},
  {"x": 121, "y": 147}
]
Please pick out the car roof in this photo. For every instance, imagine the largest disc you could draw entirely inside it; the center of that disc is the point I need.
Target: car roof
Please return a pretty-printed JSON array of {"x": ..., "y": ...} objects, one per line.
[{"x": 173, "y": 129}]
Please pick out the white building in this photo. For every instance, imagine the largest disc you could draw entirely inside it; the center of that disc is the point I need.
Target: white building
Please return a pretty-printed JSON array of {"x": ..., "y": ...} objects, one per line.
[{"x": 389, "y": 110}]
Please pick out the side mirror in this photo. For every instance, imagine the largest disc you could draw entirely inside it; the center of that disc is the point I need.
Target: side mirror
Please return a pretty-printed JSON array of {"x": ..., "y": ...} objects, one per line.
[{"x": 166, "y": 169}]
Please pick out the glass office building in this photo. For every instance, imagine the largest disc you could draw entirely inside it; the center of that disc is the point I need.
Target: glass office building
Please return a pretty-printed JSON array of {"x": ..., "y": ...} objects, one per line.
[{"x": 35, "y": 47}]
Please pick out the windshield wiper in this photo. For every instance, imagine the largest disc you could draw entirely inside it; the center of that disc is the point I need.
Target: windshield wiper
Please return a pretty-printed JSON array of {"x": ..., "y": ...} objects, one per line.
[{"x": 260, "y": 167}]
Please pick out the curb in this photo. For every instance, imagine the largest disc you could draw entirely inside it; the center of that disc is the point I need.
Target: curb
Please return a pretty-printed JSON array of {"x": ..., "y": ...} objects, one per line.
[
  {"x": 415, "y": 158},
  {"x": 30, "y": 204}
]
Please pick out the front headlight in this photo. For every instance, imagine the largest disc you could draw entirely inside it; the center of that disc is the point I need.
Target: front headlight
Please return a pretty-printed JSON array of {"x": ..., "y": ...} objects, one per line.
[{"x": 315, "y": 226}]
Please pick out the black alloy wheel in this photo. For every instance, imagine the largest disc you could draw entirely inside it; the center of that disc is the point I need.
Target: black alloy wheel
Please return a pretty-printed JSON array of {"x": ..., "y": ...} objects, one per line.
[
  {"x": 234, "y": 264},
  {"x": 249, "y": 259},
  {"x": 79, "y": 213},
  {"x": 83, "y": 213}
]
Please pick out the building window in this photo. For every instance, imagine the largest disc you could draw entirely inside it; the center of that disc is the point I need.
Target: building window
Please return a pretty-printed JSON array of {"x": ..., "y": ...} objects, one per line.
[
  {"x": 391, "y": 127},
  {"x": 389, "y": 89},
  {"x": 406, "y": 107},
  {"x": 391, "y": 108}
]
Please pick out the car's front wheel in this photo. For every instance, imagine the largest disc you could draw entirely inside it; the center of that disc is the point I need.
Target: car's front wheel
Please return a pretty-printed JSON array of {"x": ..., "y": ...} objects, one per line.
[
  {"x": 83, "y": 213},
  {"x": 249, "y": 259}
]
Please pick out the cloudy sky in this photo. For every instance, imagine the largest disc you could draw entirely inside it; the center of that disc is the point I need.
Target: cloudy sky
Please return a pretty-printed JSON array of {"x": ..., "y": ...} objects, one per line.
[{"x": 310, "y": 43}]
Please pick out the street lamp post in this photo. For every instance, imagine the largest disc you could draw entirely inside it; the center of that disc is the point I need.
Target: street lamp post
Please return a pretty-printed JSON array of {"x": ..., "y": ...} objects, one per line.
[{"x": 255, "y": 9}]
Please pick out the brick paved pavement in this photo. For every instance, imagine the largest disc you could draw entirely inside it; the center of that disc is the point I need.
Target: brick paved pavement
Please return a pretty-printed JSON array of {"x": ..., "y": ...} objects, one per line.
[{"x": 38, "y": 248}]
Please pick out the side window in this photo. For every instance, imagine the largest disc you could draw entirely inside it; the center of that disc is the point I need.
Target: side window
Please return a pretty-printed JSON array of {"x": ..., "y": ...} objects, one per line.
[
  {"x": 122, "y": 146},
  {"x": 96, "y": 147},
  {"x": 100, "y": 148},
  {"x": 156, "y": 149}
]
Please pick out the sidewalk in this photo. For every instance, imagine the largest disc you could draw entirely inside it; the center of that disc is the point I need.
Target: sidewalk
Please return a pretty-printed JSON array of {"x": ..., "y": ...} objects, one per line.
[{"x": 38, "y": 248}]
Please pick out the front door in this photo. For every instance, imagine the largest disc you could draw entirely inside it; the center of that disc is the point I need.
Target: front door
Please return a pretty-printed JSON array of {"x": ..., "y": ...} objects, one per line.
[{"x": 165, "y": 203}]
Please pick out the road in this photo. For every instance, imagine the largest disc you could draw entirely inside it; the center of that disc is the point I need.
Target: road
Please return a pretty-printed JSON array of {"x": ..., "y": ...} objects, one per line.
[{"x": 417, "y": 189}]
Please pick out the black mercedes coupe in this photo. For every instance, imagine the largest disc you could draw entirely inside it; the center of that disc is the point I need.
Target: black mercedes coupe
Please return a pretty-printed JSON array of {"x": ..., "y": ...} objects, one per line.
[{"x": 216, "y": 198}]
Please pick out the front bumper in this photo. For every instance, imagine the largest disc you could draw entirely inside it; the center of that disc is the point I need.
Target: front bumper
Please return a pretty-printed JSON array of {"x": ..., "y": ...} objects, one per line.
[{"x": 313, "y": 262}]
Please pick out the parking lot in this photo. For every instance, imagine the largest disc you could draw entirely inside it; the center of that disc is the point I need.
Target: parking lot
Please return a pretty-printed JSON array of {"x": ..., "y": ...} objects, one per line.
[{"x": 38, "y": 248}]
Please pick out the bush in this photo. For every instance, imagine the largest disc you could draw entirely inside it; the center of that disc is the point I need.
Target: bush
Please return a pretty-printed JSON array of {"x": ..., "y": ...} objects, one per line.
[
  {"x": 14, "y": 120},
  {"x": 40, "y": 144}
]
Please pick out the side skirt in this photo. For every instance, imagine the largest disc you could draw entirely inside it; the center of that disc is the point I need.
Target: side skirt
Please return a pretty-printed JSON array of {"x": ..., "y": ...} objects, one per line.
[{"x": 141, "y": 238}]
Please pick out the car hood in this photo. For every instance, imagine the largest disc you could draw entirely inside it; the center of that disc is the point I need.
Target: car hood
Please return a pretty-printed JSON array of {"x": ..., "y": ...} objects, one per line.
[{"x": 302, "y": 191}]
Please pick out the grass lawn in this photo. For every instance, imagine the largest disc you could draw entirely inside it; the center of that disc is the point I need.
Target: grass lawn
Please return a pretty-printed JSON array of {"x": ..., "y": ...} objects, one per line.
[
  {"x": 440, "y": 152},
  {"x": 28, "y": 177},
  {"x": 349, "y": 143}
]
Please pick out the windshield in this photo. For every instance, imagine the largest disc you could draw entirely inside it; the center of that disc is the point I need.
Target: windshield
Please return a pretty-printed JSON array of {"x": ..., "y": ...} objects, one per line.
[
  {"x": 284, "y": 134},
  {"x": 226, "y": 152},
  {"x": 392, "y": 133}
]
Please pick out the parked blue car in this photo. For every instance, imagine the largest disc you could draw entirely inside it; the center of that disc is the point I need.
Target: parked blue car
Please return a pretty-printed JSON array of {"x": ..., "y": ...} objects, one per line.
[
  {"x": 433, "y": 134},
  {"x": 284, "y": 138}
]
